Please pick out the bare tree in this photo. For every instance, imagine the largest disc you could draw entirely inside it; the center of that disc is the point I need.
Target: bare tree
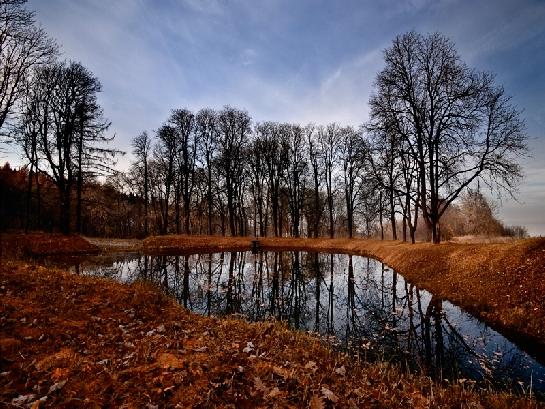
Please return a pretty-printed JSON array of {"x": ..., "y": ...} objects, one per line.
[
  {"x": 32, "y": 123},
  {"x": 258, "y": 173},
  {"x": 164, "y": 154},
  {"x": 207, "y": 130},
  {"x": 385, "y": 165},
  {"x": 141, "y": 150},
  {"x": 183, "y": 122},
  {"x": 329, "y": 138},
  {"x": 295, "y": 176},
  {"x": 315, "y": 160},
  {"x": 354, "y": 153},
  {"x": 65, "y": 125},
  {"x": 93, "y": 157},
  {"x": 23, "y": 46},
  {"x": 234, "y": 130},
  {"x": 460, "y": 126}
]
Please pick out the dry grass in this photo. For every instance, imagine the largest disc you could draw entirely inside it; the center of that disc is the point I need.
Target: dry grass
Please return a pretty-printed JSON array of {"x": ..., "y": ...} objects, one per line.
[
  {"x": 44, "y": 244},
  {"x": 69, "y": 341},
  {"x": 116, "y": 245},
  {"x": 195, "y": 244}
]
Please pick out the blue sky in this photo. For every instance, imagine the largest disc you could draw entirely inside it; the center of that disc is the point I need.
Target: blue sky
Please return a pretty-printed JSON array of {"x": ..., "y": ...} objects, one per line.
[{"x": 287, "y": 60}]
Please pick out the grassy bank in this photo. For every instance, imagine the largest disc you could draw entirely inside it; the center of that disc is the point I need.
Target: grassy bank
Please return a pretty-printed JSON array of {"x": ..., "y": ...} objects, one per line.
[
  {"x": 70, "y": 341},
  {"x": 18, "y": 245},
  {"x": 502, "y": 283}
]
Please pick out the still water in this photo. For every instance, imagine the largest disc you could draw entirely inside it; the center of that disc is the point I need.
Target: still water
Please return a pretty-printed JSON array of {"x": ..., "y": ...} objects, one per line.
[{"x": 357, "y": 303}]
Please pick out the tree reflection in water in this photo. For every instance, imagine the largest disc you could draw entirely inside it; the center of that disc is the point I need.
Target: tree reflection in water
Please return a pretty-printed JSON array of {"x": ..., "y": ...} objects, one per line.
[{"x": 367, "y": 307}]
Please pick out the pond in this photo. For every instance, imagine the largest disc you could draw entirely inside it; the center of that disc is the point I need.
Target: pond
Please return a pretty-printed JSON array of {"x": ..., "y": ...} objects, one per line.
[{"x": 357, "y": 303}]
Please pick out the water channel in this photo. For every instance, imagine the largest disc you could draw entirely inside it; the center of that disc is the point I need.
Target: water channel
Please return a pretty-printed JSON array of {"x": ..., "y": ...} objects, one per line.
[{"x": 357, "y": 303}]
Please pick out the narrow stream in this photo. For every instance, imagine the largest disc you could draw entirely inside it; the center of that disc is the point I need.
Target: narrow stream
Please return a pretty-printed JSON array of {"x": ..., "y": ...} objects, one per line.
[{"x": 358, "y": 303}]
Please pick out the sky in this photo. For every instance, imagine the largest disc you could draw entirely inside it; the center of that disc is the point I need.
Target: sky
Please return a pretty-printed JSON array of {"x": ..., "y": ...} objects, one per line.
[{"x": 300, "y": 61}]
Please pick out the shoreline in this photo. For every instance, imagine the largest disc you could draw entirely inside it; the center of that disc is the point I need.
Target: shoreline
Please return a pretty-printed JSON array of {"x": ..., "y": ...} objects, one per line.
[{"x": 502, "y": 284}]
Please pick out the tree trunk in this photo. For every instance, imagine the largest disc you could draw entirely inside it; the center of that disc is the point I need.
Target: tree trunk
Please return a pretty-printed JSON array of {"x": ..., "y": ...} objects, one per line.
[
  {"x": 65, "y": 210},
  {"x": 393, "y": 216},
  {"x": 29, "y": 197},
  {"x": 146, "y": 182},
  {"x": 380, "y": 217},
  {"x": 435, "y": 236}
]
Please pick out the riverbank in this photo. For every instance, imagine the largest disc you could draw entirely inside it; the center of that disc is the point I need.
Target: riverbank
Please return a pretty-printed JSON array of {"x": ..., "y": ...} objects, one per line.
[
  {"x": 72, "y": 341},
  {"x": 19, "y": 245},
  {"x": 501, "y": 283}
]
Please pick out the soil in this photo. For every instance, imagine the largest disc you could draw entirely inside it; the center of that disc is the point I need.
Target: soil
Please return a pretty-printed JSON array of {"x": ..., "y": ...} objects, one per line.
[{"x": 68, "y": 341}]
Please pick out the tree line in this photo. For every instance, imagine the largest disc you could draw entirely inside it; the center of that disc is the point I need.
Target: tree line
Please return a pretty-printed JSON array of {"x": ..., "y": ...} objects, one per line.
[
  {"x": 437, "y": 128},
  {"x": 214, "y": 172}
]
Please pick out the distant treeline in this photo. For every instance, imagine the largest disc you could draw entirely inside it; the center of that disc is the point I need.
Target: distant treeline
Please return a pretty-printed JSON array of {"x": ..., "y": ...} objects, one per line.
[{"x": 437, "y": 130}]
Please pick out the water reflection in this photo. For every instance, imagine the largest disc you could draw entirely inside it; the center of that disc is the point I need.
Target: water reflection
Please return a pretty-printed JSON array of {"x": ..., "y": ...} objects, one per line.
[{"x": 365, "y": 305}]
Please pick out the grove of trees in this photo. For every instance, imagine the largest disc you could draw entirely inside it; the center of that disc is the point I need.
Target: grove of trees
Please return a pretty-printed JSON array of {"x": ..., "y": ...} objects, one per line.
[{"x": 437, "y": 130}]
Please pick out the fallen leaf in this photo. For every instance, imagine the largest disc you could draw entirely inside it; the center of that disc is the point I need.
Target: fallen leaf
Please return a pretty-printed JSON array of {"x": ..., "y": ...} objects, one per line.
[
  {"x": 259, "y": 385},
  {"x": 37, "y": 403},
  {"x": 57, "y": 386},
  {"x": 60, "y": 373},
  {"x": 167, "y": 360},
  {"x": 249, "y": 347},
  {"x": 312, "y": 366},
  {"x": 326, "y": 393},
  {"x": 341, "y": 371},
  {"x": 22, "y": 399},
  {"x": 274, "y": 393},
  {"x": 284, "y": 373},
  {"x": 316, "y": 402}
]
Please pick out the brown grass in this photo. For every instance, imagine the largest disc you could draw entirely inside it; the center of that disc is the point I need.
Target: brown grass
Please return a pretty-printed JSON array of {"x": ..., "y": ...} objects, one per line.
[
  {"x": 44, "y": 244},
  {"x": 68, "y": 341},
  {"x": 502, "y": 283}
]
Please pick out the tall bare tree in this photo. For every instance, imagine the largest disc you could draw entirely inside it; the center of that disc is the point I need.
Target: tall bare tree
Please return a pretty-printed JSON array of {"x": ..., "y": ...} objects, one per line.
[
  {"x": 296, "y": 173},
  {"x": 65, "y": 125},
  {"x": 165, "y": 153},
  {"x": 460, "y": 125},
  {"x": 275, "y": 157},
  {"x": 141, "y": 150},
  {"x": 354, "y": 153},
  {"x": 23, "y": 46},
  {"x": 329, "y": 138},
  {"x": 315, "y": 161},
  {"x": 234, "y": 130},
  {"x": 207, "y": 130},
  {"x": 183, "y": 122},
  {"x": 258, "y": 174}
]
